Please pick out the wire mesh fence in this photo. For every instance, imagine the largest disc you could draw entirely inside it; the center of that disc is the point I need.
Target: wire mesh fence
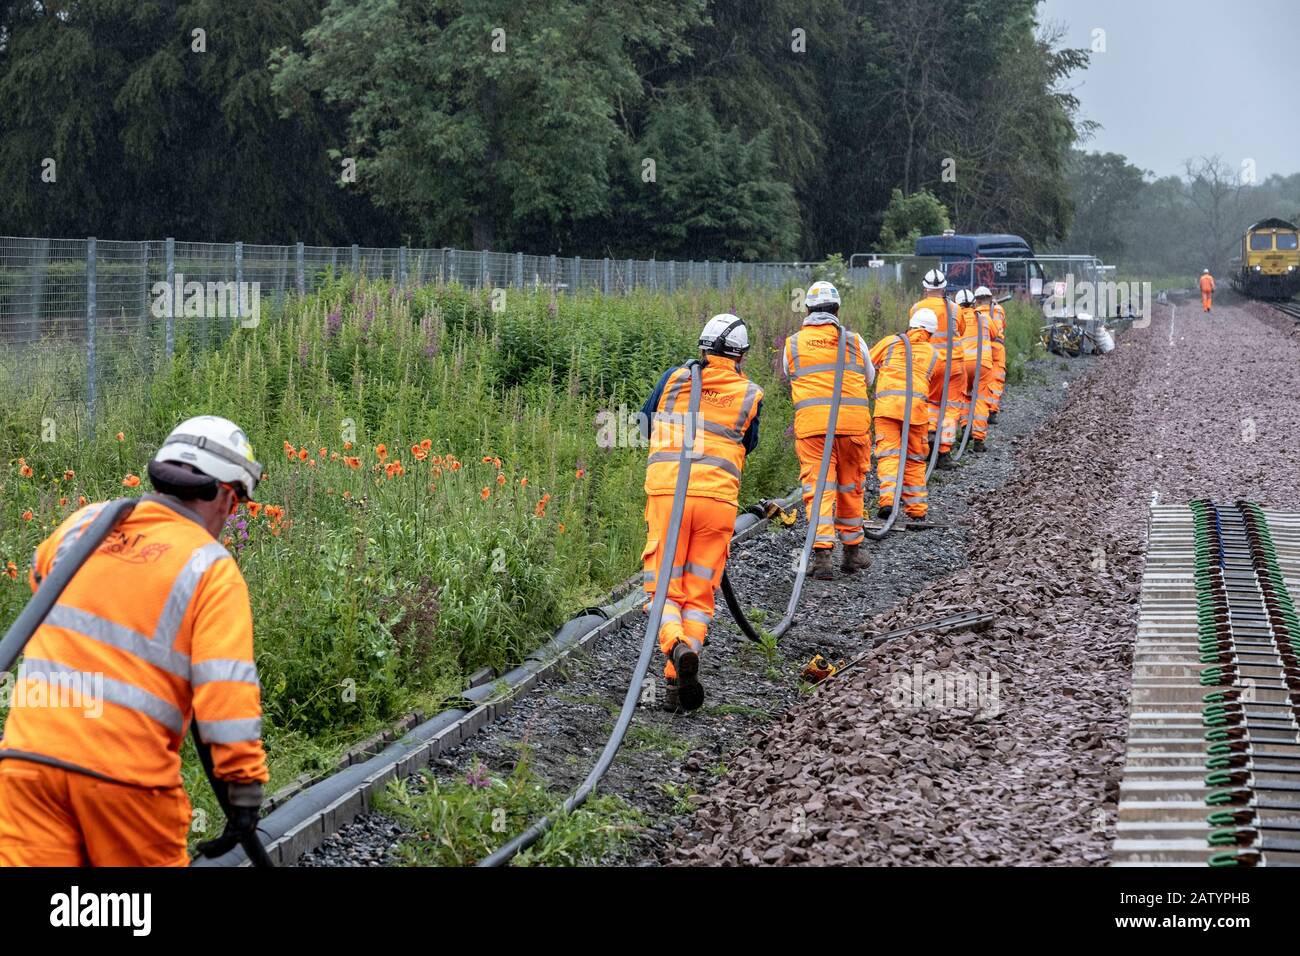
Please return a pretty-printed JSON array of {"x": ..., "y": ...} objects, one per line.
[{"x": 94, "y": 308}]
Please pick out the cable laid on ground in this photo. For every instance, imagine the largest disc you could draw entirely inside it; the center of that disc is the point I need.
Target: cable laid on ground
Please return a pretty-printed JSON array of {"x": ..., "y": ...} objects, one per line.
[
  {"x": 633, "y": 696},
  {"x": 801, "y": 572}
]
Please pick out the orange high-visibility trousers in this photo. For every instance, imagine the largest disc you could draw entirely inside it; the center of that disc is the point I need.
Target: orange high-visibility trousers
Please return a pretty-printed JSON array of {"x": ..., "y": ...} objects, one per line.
[
  {"x": 889, "y": 440},
  {"x": 1207, "y": 300},
  {"x": 956, "y": 389},
  {"x": 840, "y": 509},
  {"x": 701, "y": 556},
  {"x": 55, "y": 817},
  {"x": 999, "y": 378}
]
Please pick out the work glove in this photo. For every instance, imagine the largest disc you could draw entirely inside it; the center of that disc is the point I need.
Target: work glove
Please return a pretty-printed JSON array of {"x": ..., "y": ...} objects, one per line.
[{"x": 244, "y": 805}]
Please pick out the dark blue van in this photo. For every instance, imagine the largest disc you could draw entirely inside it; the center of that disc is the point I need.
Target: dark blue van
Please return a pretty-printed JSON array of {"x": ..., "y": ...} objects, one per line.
[{"x": 1003, "y": 263}]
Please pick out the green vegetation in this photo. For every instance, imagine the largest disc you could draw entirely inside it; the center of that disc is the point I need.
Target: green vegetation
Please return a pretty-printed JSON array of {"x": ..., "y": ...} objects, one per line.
[
  {"x": 686, "y": 129},
  {"x": 459, "y": 823}
]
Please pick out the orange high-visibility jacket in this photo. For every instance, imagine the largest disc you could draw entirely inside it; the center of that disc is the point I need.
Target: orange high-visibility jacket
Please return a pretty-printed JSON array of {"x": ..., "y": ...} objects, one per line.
[
  {"x": 969, "y": 321},
  {"x": 728, "y": 404},
  {"x": 810, "y": 357},
  {"x": 940, "y": 307},
  {"x": 1207, "y": 284},
  {"x": 889, "y": 356},
  {"x": 153, "y": 631}
]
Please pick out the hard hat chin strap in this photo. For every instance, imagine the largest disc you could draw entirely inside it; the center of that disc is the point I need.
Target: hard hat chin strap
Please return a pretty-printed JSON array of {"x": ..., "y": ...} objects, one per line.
[{"x": 720, "y": 340}]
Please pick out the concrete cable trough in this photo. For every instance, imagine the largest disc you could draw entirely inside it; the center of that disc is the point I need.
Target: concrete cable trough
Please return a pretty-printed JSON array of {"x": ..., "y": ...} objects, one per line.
[{"x": 1212, "y": 772}]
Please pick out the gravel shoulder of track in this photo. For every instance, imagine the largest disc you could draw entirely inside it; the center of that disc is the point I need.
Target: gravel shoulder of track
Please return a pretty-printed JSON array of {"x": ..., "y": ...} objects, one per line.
[{"x": 667, "y": 762}]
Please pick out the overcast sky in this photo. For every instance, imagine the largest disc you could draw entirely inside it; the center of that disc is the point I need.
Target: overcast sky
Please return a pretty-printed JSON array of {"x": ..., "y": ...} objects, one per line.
[{"x": 1185, "y": 78}]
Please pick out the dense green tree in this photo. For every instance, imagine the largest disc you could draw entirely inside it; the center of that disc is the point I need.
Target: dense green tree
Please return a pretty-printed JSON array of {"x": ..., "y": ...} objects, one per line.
[
  {"x": 160, "y": 120},
  {"x": 907, "y": 218}
]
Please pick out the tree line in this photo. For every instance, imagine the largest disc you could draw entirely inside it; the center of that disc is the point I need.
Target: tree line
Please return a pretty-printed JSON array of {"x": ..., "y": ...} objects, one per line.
[
  {"x": 1173, "y": 225},
  {"x": 736, "y": 129}
]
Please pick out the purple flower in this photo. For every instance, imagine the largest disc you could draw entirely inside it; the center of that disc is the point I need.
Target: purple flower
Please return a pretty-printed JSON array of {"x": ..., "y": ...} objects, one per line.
[
  {"x": 477, "y": 778},
  {"x": 333, "y": 322}
]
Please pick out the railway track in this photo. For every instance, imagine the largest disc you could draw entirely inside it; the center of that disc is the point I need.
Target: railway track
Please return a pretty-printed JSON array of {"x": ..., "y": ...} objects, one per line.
[
  {"x": 1212, "y": 772},
  {"x": 1291, "y": 309}
]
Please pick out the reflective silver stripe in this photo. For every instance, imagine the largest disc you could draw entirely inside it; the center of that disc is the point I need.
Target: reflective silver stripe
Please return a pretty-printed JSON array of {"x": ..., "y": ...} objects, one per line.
[
  {"x": 676, "y": 572},
  {"x": 223, "y": 669},
  {"x": 647, "y": 575},
  {"x": 747, "y": 406},
  {"x": 852, "y": 538},
  {"x": 826, "y": 537},
  {"x": 699, "y": 570},
  {"x": 729, "y": 433},
  {"x": 901, "y": 392},
  {"x": 100, "y": 629},
  {"x": 660, "y": 457},
  {"x": 183, "y": 588},
  {"x": 845, "y": 489},
  {"x": 887, "y": 454},
  {"x": 74, "y": 532},
  {"x": 698, "y": 617},
  {"x": 810, "y": 402},
  {"x": 793, "y": 344},
  {"x": 829, "y": 367},
  {"x": 674, "y": 387},
  {"x": 850, "y": 522},
  {"x": 914, "y": 489},
  {"x": 230, "y": 731},
  {"x": 106, "y": 688},
  {"x": 917, "y": 458},
  {"x": 889, "y": 353},
  {"x": 671, "y": 610}
]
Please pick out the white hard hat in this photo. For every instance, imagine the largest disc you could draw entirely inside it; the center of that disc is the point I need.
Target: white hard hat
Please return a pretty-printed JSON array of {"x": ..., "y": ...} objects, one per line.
[
  {"x": 821, "y": 293},
  {"x": 725, "y": 334},
  {"x": 924, "y": 319},
  {"x": 964, "y": 297},
  {"x": 216, "y": 447},
  {"x": 1207, "y": 272},
  {"x": 934, "y": 280},
  {"x": 983, "y": 292}
]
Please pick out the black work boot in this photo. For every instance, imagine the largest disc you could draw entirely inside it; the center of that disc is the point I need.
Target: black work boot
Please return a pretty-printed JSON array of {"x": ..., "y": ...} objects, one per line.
[
  {"x": 690, "y": 692},
  {"x": 977, "y": 446},
  {"x": 672, "y": 700},
  {"x": 855, "y": 558},
  {"x": 821, "y": 566},
  {"x": 884, "y": 512},
  {"x": 993, "y": 418},
  {"x": 929, "y": 439},
  {"x": 945, "y": 462}
]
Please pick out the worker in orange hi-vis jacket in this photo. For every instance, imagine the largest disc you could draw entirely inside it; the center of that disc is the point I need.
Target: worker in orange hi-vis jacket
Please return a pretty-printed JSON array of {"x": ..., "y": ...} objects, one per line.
[
  {"x": 996, "y": 317},
  {"x": 810, "y": 360},
  {"x": 725, "y": 432},
  {"x": 1207, "y": 290},
  {"x": 889, "y": 358},
  {"x": 154, "y": 631},
  {"x": 976, "y": 348},
  {"x": 934, "y": 284}
]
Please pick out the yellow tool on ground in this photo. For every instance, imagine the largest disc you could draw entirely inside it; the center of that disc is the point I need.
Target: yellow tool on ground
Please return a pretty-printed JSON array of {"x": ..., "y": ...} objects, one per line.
[{"x": 819, "y": 668}]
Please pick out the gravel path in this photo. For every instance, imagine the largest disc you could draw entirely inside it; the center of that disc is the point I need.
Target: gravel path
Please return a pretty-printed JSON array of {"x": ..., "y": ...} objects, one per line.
[
  {"x": 667, "y": 760},
  {"x": 890, "y": 765}
]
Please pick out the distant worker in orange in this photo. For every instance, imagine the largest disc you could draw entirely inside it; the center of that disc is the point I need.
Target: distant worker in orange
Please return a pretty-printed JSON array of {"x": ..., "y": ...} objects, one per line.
[
  {"x": 1207, "y": 290},
  {"x": 996, "y": 317},
  {"x": 889, "y": 357},
  {"x": 810, "y": 359},
  {"x": 934, "y": 283},
  {"x": 153, "y": 632},
  {"x": 726, "y": 431}
]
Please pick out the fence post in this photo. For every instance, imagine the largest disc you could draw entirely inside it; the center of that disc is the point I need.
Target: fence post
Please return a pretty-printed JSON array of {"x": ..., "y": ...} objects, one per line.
[
  {"x": 519, "y": 269},
  {"x": 672, "y": 275},
  {"x": 604, "y": 276},
  {"x": 401, "y": 266},
  {"x": 576, "y": 279},
  {"x": 453, "y": 268},
  {"x": 300, "y": 269},
  {"x": 356, "y": 260},
  {"x": 239, "y": 282},
  {"x": 554, "y": 274},
  {"x": 484, "y": 280},
  {"x": 170, "y": 246},
  {"x": 90, "y": 334}
]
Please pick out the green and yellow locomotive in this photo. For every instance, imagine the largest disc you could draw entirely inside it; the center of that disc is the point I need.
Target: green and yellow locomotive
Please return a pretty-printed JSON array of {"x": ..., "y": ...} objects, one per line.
[{"x": 1269, "y": 266}]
